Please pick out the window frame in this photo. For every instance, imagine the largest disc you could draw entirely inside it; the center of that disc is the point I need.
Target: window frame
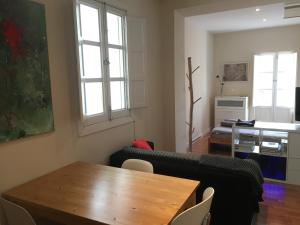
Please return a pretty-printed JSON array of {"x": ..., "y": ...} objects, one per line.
[
  {"x": 267, "y": 72},
  {"x": 108, "y": 116},
  {"x": 124, "y": 47},
  {"x": 275, "y": 73}
]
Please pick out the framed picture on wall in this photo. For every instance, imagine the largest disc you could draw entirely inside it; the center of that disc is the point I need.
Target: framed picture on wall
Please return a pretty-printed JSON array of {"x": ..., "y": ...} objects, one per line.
[
  {"x": 25, "y": 92},
  {"x": 236, "y": 72}
]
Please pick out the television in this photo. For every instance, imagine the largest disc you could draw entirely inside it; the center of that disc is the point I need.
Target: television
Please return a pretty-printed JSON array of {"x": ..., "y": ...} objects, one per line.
[{"x": 297, "y": 104}]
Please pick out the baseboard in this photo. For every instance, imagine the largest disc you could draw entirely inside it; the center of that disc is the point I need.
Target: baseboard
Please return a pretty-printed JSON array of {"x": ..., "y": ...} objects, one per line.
[{"x": 203, "y": 134}]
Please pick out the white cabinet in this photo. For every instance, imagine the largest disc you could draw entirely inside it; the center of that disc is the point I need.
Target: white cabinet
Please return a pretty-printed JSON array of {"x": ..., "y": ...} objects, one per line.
[
  {"x": 294, "y": 164},
  {"x": 268, "y": 144},
  {"x": 294, "y": 158},
  {"x": 294, "y": 146},
  {"x": 282, "y": 162},
  {"x": 294, "y": 177}
]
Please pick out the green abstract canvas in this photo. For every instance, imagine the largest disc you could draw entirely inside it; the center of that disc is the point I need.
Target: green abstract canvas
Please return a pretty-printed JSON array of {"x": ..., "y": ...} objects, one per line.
[{"x": 25, "y": 93}]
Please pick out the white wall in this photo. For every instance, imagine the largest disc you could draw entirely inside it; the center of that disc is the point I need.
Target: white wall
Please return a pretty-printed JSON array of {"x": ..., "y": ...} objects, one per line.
[
  {"x": 29, "y": 158},
  {"x": 241, "y": 47},
  {"x": 173, "y": 13},
  {"x": 199, "y": 46}
]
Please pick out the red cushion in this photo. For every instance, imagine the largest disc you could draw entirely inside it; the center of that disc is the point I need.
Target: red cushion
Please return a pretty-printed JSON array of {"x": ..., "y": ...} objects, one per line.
[{"x": 141, "y": 144}]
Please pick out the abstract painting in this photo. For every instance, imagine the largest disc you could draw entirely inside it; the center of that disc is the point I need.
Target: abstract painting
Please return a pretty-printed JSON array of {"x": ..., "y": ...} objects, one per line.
[
  {"x": 25, "y": 93},
  {"x": 236, "y": 72}
]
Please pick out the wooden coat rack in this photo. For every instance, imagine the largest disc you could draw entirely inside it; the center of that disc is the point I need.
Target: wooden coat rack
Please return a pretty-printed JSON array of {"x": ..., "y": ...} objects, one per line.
[{"x": 189, "y": 76}]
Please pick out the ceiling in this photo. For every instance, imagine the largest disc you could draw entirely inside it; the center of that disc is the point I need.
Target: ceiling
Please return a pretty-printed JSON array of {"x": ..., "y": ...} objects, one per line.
[{"x": 245, "y": 19}]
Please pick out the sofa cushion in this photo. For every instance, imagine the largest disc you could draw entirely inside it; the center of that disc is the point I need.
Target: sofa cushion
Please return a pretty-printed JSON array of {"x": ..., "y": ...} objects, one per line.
[{"x": 243, "y": 167}]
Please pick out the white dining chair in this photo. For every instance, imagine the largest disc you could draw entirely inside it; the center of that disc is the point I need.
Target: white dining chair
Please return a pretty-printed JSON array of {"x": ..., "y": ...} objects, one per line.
[
  {"x": 137, "y": 164},
  {"x": 14, "y": 214},
  {"x": 199, "y": 214}
]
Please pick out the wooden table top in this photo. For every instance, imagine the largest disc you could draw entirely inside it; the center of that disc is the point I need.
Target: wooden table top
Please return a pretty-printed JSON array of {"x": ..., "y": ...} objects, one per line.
[{"x": 83, "y": 193}]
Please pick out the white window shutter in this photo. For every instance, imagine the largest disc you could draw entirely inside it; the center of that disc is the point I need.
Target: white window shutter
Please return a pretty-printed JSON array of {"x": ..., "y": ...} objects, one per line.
[{"x": 136, "y": 62}]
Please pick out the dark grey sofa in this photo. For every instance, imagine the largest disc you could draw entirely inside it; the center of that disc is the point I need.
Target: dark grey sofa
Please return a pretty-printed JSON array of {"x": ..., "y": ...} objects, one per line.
[{"x": 237, "y": 182}]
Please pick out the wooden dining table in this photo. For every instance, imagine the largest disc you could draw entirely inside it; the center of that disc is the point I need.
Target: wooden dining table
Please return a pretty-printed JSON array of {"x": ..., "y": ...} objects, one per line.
[{"x": 93, "y": 194}]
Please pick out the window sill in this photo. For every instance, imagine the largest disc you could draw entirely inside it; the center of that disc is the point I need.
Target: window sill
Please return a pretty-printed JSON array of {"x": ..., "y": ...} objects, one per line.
[{"x": 102, "y": 126}]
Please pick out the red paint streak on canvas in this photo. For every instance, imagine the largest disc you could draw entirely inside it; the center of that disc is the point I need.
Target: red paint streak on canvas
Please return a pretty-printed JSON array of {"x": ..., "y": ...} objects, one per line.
[{"x": 12, "y": 35}]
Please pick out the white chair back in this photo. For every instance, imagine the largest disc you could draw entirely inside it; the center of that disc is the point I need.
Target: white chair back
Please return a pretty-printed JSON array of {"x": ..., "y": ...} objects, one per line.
[
  {"x": 198, "y": 214},
  {"x": 139, "y": 165},
  {"x": 15, "y": 215}
]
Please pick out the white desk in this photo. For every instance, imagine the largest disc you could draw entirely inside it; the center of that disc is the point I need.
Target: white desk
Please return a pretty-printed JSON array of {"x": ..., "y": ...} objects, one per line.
[{"x": 289, "y": 127}]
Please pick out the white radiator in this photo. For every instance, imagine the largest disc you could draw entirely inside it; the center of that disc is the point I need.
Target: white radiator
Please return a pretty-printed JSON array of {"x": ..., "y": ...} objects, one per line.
[{"x": 230, "y": 108}]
